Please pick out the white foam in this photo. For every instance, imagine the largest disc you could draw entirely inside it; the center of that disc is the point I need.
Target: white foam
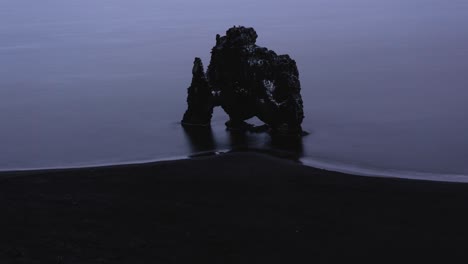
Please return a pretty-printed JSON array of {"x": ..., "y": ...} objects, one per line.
[{"x": 373, "y": 172}]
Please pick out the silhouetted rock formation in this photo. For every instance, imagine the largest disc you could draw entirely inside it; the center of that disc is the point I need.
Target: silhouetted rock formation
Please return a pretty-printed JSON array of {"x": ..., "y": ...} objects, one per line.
[
  {"x": 247, "y": 80},
  {"x": 199, "y": 100}
]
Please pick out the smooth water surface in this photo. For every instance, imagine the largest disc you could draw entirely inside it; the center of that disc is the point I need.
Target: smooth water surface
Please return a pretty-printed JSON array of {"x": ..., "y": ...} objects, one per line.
[{"x": 385, "y": 82}]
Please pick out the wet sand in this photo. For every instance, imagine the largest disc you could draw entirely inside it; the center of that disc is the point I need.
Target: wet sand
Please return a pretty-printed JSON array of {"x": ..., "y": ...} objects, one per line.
[{"x": 238, "y": 207}]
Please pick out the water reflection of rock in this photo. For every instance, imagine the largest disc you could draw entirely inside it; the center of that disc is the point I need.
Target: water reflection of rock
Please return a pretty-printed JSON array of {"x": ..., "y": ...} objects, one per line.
[
  {"x": 287, "y": 147},
  {"x": 290, "y": 147},
  {"x": 238, "y": 140},
  {"x": 200, "y": 139},
  {"x": 202, "y": 142}
]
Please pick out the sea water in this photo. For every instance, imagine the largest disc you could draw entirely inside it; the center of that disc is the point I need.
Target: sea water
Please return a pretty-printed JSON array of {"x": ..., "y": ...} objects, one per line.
[{"x": 384, "y": 82}]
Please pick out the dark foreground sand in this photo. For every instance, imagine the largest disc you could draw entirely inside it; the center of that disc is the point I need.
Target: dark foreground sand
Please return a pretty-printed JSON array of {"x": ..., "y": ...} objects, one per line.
[{"x": 232, "y": 208}]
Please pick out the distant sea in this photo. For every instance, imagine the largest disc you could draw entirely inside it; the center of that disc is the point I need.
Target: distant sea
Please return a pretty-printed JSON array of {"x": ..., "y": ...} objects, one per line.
[{"x": 384, "y": 82}]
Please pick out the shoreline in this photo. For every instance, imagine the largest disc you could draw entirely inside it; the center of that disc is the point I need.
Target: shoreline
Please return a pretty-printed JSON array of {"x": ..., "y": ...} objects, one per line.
[
  {"x": 233, "y": 208},
  {"x": 330, "y": 167}
]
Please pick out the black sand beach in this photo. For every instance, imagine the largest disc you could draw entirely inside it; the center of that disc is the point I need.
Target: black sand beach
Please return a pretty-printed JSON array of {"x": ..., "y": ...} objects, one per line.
[{"x": 232, "y": 208}]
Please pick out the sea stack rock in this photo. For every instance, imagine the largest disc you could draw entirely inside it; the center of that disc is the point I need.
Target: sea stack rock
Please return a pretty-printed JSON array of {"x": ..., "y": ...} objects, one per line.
[
  {"x": 247, "y": 80},
  {"x": 199, "y": 99}
]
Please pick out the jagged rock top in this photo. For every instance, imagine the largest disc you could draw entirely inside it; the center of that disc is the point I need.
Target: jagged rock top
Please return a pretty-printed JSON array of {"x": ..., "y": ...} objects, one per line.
[
  {"x": 197, "y": 70},
  {"x": 238, "y": 36}
]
